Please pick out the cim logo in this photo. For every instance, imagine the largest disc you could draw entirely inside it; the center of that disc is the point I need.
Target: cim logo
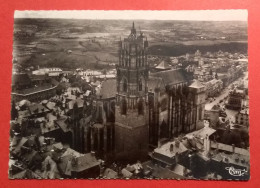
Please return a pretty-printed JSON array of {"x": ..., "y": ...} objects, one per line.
[{"x": 236, "y": 172}]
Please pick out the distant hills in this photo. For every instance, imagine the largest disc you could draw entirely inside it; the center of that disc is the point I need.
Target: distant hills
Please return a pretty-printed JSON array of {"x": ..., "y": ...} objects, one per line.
[{"x": 93, "y": 43}]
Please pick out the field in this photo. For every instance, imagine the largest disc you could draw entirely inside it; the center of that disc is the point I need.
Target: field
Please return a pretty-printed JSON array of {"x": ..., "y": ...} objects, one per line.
[{"x": 94, "y": 43}]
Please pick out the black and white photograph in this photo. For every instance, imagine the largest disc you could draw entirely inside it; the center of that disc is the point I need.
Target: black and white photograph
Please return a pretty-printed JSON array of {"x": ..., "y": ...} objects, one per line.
[{"x": 130, "y": 95}]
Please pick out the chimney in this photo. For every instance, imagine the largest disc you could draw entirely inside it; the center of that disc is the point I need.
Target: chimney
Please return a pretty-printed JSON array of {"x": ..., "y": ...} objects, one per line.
[
  {"x": 225, "y": 159},
  {"x": 159, "y": 144},
  {"x": 92, "y": 153},
  {"x": 233, "y": 148}
]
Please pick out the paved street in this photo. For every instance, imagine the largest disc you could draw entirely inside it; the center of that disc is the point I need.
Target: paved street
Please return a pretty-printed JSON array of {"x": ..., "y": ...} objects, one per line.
[
  {"x": 230, "y": 113},
  {"x": 223, "y": 94}
]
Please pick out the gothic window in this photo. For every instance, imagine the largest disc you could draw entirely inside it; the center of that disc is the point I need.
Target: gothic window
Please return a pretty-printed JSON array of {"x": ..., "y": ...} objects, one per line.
[
  {"x": 140, "y": 107},
  {"x": 151, "y": 101},
  {"x": 113, "y": 111},
  {"x": 106, "y": 110},
  {"x": 99, "y": 118},
  {"x": 140, "y": 85},
  {"x": 124, "y": 85},
  {"x": 164, "y": 130},
  {"x": 179, "y": 90},
  {"x": 124, "y": 107}
]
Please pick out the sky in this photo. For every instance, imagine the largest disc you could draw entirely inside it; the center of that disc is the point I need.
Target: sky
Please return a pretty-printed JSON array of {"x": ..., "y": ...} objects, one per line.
[{"x": 197, "y": 15}]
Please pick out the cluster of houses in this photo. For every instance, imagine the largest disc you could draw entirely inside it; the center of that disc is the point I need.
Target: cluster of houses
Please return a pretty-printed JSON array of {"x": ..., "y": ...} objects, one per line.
[
  {"x": 58, "y": 129},
  {"x": 195, "y": 155},
  {"x": 214, "y": 70},
  {"x": 48, "y": 123}
]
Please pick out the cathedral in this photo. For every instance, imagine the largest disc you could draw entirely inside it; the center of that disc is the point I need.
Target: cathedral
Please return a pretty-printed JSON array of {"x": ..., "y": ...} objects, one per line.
[{"x": 147, "y": 107}]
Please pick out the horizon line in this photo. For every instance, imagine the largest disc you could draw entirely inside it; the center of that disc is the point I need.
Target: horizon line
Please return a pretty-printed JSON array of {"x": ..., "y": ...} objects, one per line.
[{"x": 178, "y": 15}]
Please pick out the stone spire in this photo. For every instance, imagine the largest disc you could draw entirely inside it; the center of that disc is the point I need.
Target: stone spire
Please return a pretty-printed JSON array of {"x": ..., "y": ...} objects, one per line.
[{"x": 133, "y": 30}]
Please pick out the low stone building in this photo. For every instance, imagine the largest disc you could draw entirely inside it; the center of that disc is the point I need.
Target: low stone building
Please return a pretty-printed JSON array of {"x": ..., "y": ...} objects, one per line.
[
  {"x": 213, "y": 87},
  {"x": 242, "y": 117}
]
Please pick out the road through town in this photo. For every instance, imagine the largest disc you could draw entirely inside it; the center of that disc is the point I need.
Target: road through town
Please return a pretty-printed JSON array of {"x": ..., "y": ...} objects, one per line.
[{"x": 225, "y": 92}]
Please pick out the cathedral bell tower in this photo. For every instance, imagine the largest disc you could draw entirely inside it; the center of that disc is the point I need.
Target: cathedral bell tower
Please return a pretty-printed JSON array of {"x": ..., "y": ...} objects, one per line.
[{"x": 131, "y": 127}]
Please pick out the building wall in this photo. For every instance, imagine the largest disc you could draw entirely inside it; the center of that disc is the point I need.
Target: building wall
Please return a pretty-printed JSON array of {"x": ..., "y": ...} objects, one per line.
[
  {"x": 177, "y": 111},
  {"x": 131, "y": 132},
  {"x": 242, "y": 119},
  {"x": 131, "y": 141}
]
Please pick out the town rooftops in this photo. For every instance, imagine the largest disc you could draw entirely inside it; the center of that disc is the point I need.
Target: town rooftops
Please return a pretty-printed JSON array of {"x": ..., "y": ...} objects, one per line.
[
  {"x": 230, "y": 148},
  {"x": 58, "y": 146},
  {"x": 202, "y": 133},
  {"x": 126, "y": 173},
  {"x": 214, "y": 81},
  {"x": 72, "y": 161},
  {"x": 50, "y": 125},
  {"x": 37, "y": 108},
  {"x": 79, "y": 102},
  {"x": 50, "y": 105},
  {"x": 73, "y": 89},
  {"x": 170, "y": 149},
  {"x": 31, "y": 156},
  {"x": 24, "y": 103},
  {"x": 20, "y": 145},
  {"x": 50, "y": 169},
  {"x": 235, "y": 159},
  {"x": 197, "y": 84},
  {"x": 63, "y": 124},
  {"x": 163, "y": 66},
  {"x": 178, "y": 172},
  {"x": 110, "y": 174},
  {"x": 25, "y": 174},
  {"x": 70, "y": 151},
  {"x": 244, "y": 111},
  {"x": 24, "y": 113},
  {"x": 85, "y": 162}
]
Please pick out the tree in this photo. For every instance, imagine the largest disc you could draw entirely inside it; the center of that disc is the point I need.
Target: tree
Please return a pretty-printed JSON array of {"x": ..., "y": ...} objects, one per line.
[{"x": 216, "y": 76}]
